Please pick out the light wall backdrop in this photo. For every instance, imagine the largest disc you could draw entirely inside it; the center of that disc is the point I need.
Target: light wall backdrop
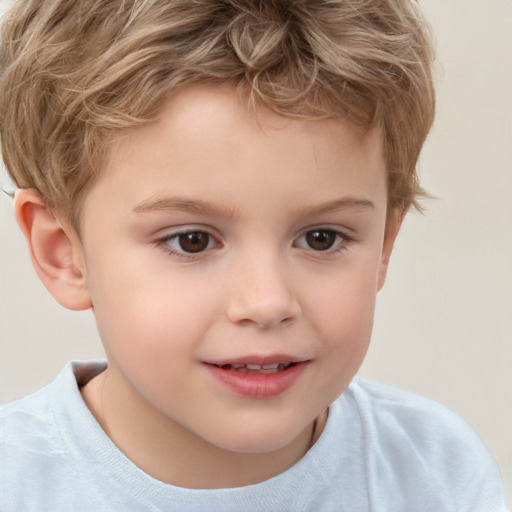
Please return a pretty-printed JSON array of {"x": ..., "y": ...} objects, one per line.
[{"x": 443, "y": 325}]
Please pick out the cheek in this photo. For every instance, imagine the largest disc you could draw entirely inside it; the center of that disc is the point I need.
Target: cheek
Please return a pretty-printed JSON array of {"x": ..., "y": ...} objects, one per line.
[
  {"x": 343, "y": 304},
  {"x": 149, "y": 335},
  {"x": 342, "y": 314},
  {"x": 148, "y": 316}
]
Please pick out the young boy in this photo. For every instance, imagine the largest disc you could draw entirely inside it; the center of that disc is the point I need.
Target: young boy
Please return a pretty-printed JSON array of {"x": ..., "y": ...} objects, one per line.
[{"x": 222, "y": 183}]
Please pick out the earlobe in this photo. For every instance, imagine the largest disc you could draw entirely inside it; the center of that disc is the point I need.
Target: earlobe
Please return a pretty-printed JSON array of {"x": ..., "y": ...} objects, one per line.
[
  {"x": 393, "y": 225},
  {"x": 55, "y": 252}
]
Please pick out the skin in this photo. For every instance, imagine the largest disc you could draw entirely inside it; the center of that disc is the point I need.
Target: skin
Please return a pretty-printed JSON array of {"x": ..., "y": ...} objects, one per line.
[{"x": 256, "y": 185}]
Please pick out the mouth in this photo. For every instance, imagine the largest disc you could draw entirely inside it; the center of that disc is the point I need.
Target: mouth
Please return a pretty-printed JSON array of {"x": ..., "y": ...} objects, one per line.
[
  {"x": 258, "y": 377},
  {"x": 256, "y": 369}
]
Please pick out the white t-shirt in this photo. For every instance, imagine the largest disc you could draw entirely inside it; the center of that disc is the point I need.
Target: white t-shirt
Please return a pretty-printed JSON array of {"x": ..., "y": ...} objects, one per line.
[{"x": 382, "y": 450}]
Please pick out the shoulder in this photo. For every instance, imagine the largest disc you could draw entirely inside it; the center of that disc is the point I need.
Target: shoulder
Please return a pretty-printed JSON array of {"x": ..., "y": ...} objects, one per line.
[
  {"x": 392, "y": 406},
  {"x": 404, "y": 413},
  {"x": 393, "y": 415},
  {"x": 36, "y": 440},
  {"x": 30, "y": 444},
  {"x": 29, "y": 419},
  {"x": 38, "y": 411},
  {"x": 38, "y": 419},
  {"x": 424, "y": 446}
]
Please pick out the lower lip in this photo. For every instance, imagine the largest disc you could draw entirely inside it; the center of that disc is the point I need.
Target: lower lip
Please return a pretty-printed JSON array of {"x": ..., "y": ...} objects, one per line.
[{"x": 258, "y": 385}]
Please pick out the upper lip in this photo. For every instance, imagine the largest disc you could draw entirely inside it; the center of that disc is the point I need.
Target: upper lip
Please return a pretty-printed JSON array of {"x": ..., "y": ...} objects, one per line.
[{"x": 260, "y": 360}]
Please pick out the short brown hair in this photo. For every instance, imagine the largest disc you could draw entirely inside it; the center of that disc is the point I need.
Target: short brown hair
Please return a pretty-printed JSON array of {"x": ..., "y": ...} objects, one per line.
[{"x": 72, "y": 73}]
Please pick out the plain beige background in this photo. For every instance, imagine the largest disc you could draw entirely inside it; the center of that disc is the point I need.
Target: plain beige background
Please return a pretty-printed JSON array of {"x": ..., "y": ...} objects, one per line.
[{"x": 443, "y": 325}]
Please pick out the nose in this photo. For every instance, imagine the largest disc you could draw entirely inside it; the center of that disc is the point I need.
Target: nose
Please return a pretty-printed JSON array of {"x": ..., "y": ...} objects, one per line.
[{"x": 261, "y": 294}]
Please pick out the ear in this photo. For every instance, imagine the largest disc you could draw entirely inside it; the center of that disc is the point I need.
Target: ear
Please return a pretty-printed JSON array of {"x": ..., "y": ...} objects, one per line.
[
  {"x": 393, "y": 224},
  {"x": 56, "y": 252}
]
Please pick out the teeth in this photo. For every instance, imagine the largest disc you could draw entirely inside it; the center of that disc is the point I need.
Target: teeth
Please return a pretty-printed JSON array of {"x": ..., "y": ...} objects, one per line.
[
  {"x": 265, "y": 368},
  {"x": 273, "y": 366}
]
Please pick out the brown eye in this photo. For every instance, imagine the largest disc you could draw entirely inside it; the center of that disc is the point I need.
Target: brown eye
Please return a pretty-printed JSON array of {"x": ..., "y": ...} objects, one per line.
[
  {"x": 195, "y": 241},
  {"x": 321, "y": 239}
]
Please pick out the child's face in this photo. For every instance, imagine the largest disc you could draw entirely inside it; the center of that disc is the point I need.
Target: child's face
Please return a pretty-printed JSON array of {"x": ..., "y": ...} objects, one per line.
[{"x": 219, "y": 238}]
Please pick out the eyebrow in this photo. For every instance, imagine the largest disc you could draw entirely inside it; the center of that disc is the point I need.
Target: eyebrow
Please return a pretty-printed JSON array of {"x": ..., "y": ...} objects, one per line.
[
  {"x": 198, "y": 207},
  {"x": 195, "y": 206},
  {"x": 348, "y": 203}
]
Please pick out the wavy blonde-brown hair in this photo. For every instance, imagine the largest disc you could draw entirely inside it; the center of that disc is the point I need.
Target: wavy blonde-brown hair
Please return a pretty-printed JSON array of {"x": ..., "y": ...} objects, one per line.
[{"x": 73, "y": 73}]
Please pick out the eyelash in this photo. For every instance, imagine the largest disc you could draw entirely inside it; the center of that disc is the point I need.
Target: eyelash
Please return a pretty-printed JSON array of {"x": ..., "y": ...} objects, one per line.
[{"x": 341, "y": 243}]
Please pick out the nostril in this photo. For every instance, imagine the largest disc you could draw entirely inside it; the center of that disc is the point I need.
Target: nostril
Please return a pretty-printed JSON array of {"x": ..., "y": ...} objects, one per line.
[
  {"x": 288, "y": 320},
  {"x": 264, "y": 321}
]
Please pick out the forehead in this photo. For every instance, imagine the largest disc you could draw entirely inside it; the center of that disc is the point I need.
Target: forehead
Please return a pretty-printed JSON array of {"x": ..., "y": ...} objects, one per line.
[{"x": 206, "y": 141}]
